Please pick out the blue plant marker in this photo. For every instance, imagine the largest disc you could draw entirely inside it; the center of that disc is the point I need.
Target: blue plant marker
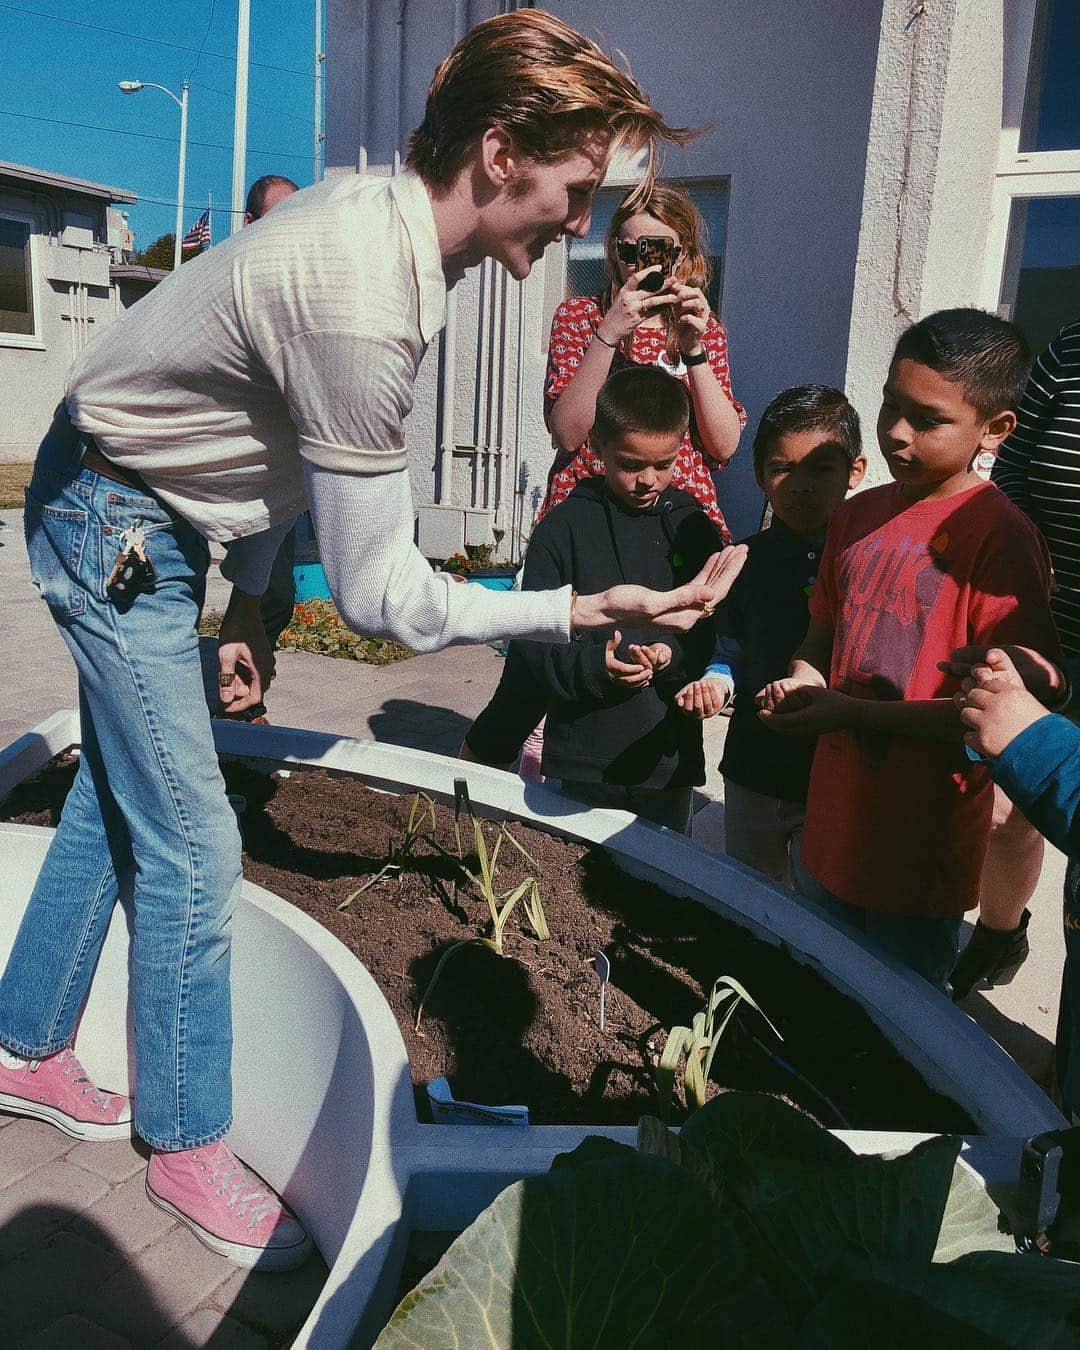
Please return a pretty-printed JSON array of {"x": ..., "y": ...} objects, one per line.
[
  {"x": 603, "y": 974},
  {"x": 447, "y": 1110}
]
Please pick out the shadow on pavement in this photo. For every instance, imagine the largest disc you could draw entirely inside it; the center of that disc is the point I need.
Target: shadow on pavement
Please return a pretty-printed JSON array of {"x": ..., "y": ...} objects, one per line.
[
  {"x": 68, "y": 1286},
  {"x": 403, "y": 721},
  {"x": 1034, "y": 1053}
]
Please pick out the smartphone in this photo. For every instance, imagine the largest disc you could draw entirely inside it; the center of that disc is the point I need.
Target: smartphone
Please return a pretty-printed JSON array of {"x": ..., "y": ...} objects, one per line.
[{"x": 654, "y": 250}]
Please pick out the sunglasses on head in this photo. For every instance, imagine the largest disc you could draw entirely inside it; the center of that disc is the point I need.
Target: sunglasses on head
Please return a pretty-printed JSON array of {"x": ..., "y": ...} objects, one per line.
[{"x": 629, "y": 251}]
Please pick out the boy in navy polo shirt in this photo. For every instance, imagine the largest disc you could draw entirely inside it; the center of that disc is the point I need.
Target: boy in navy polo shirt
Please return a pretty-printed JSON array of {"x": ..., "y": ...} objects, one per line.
[
  {"x": 807, "y": 457},
  {"x": 613, "y": 734}
]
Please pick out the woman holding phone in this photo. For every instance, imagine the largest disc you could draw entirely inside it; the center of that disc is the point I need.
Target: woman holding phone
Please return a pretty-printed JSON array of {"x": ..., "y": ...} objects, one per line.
[{"x": 671, "y": 327}]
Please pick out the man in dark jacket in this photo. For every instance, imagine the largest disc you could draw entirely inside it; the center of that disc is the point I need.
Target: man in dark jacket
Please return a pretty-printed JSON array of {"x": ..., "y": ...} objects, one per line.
[{"x": 614, "y": 735}]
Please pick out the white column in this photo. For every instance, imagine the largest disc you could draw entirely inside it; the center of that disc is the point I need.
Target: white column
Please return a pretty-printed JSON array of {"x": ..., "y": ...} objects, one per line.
[
  {"x": 239, "y": 161},
  {"x": 181, "y": 176}
]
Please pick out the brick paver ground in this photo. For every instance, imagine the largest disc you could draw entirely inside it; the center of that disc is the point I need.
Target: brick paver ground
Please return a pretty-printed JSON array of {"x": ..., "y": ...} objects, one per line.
[{"x": 88, "y": 1263}]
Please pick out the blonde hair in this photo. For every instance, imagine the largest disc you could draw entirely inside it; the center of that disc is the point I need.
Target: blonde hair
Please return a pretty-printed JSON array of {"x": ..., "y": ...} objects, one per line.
[
  {"x": 541, "y": 82},
  {"x": 674, "y": 209}
]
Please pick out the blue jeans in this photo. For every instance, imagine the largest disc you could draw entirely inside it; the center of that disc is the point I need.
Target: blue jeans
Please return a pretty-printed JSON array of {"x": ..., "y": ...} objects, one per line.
[
  {"x": 148, "y": 797},
  {"x": 928, "y": 946}
]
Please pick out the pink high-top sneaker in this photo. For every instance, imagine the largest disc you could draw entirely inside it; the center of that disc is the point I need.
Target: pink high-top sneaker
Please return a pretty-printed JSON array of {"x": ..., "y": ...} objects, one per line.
[
  {"x": 227, "y": 1207},
  {"x": 58, "y": 1091}
]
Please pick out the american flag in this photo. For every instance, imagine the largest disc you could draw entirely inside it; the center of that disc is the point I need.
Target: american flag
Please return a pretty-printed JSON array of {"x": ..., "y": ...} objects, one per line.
[{"x": 199, "y": 234}]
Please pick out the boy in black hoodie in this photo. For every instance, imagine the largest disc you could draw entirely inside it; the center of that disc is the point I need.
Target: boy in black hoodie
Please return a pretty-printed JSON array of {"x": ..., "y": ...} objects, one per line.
[{"x": 613, "y": 735}]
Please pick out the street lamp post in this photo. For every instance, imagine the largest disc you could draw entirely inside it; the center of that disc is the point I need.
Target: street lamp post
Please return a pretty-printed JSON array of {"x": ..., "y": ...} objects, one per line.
[{"x": 133, "y": 87}]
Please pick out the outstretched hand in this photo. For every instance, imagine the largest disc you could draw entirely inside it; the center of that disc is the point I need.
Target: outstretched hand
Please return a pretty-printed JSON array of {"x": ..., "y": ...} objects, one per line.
[{"x": 670, "y": 611}]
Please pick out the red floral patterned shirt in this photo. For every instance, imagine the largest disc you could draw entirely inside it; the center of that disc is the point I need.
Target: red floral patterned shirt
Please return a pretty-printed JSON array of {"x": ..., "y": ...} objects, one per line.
[{"x": 572, "y": 329}]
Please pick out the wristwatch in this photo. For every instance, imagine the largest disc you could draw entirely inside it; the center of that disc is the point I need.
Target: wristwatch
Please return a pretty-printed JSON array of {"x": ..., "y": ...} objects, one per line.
[{"x": 697, "y": 360}]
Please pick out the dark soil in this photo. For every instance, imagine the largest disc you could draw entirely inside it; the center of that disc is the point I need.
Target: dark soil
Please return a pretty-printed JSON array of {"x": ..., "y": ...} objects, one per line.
[{"x": 523, "y": 1028}]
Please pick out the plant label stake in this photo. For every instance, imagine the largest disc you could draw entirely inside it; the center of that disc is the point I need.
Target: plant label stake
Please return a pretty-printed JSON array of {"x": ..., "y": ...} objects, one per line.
[
  {"x": 603, "y": 974},
  {"x": 446, "y": 1111}
]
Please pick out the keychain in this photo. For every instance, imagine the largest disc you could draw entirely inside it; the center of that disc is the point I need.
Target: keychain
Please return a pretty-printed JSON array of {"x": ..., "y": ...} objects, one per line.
[{"x": 132, "y": 571}]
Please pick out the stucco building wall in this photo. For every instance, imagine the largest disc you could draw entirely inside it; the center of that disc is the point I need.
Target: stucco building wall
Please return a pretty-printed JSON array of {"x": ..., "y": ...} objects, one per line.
[
  {"x": 858, "y": 143},
  {"x": 929, "y": 172},
  {"x": 788, "y": 90},
  {"x": 73, "y": 299}
]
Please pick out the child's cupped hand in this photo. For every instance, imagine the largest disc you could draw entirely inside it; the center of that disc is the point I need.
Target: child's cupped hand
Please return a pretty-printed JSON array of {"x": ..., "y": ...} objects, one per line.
[
  {"x": 1041, "y": 676},
  {"x": 995, "y": 707},
  {"x": 806, "y": 710},
  {"x": 777, "y": 692},
  {"x": 703, "y": 698},
  {"x": 655, "y": 654},
  {"x": 644, "y": 661}
]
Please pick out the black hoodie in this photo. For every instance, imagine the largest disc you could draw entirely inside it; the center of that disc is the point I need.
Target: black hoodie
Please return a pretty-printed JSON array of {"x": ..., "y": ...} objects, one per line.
[{"x": 598, "y": 731}]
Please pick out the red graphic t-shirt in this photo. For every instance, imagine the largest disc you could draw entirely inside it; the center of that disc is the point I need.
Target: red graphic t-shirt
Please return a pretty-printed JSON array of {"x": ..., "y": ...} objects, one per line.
[
  {"x": 895, "y": 823},
  {"x": 572, "y": 329}
]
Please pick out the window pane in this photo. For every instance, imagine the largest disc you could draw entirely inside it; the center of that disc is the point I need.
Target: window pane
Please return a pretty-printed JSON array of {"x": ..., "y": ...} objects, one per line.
[
  {"x": 1043, "y": 293},
  {"x": 16, "y": 310},
  {"x": 585, "y": 271},
  {"x": 1052, "y": 114}
]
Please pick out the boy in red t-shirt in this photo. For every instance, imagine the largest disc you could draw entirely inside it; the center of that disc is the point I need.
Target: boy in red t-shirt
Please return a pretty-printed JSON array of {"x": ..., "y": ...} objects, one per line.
[{"x": 898, "y": 816}]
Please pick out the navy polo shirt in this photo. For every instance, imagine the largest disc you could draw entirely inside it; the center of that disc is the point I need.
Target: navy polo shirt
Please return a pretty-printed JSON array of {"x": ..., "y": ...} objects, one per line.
[{"x": 767, "y": 613}]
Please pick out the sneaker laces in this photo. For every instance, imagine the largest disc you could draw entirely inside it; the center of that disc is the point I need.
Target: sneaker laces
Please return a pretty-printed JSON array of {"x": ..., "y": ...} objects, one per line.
[
  {"x": 70, "y": 1065},
  {"x": 229, "y": 1174}
]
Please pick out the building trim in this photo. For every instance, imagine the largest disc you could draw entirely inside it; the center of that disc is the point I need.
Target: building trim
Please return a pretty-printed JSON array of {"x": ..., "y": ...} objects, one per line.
[{"x": 23, "y": 173}]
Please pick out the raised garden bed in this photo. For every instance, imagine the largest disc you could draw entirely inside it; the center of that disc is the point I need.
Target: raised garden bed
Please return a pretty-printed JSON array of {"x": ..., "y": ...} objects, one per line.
[{"x": 523, "y": 1027}]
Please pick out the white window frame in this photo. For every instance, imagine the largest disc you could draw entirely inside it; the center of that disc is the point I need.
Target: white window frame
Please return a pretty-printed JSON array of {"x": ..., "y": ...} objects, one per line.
[
  {"x": 34, "y": 341},
  {"x": 1020, "y": 175}
]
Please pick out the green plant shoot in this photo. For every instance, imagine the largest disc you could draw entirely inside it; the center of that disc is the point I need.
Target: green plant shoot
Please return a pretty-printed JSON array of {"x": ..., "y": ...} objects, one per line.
[
  {"x": 500, "y": 905},
  {"x": 698, "y": 1043},
  {"x": 421, "y": 823}
]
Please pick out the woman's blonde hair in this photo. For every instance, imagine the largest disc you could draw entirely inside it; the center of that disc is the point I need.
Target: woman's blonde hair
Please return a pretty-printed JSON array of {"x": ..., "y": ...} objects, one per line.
[
  {"x": 540, "y": 81},
  {"x": 675, "y": 210}
]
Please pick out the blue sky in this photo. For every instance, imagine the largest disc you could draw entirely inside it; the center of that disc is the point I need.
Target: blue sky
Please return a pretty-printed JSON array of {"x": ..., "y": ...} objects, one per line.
[{"x": 64, "y": 68}]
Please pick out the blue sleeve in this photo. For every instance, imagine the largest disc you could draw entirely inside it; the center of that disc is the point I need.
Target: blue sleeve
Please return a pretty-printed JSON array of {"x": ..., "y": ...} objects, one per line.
[
  {"x": 1040, "y": 771},
  {"x": 727, "y": 660}
]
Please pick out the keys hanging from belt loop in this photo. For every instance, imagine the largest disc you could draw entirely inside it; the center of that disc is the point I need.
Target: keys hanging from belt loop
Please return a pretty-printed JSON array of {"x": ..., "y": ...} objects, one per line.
[
  {"x": 132, "y": 572},
  {"x": 134, "y": 539}
]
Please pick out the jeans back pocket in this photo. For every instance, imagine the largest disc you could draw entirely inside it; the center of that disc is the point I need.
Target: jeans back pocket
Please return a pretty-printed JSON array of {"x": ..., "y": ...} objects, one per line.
[{"x": 56, "y": 543}]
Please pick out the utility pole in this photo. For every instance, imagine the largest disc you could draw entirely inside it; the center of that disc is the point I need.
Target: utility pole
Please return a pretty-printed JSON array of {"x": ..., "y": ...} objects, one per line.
[
  {"x": 239, "y": 161},
  {"x": 181, "y": 177},
  {"x": 320, "y": 57}
]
